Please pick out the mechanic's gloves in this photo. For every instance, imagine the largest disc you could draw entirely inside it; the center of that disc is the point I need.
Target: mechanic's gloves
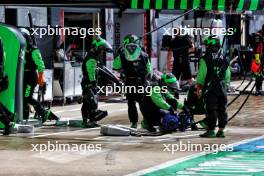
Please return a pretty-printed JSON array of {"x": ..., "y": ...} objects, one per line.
[
  {"x": 199, "y": 91},
  {"x": 186, "y": 110},
  {"x": 173, "y": 103},
  {"x": 93, "y": 84},
  {"x": 172, "y": 111},
  {"x": 145, "y": 82},
  {"x": 41, "y": 81}
]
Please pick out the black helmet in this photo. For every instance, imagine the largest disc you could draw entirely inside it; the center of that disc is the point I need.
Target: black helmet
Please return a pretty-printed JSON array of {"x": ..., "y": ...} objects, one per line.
[
  {"x": 28, "y": 37},
  {"x": 132, "y": 47},
  {"x": 99, "y": 44},
  {"x": 169, "y": 80},
  {"x": 212, "y": 43},
  {"x": 131, "y": 38}
]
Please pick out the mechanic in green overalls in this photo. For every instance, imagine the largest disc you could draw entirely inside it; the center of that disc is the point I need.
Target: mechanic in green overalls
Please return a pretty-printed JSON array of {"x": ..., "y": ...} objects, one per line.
[
  {"x": 89, "y": 82},
  {"x": 160, "y": 99},
  {"x": 136, "y": 68},
  {"x": 212, "y": 80},
  {"x": 33, "y": 75}
]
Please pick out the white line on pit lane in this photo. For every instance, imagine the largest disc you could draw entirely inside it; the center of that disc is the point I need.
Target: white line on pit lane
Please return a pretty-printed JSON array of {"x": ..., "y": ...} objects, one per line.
[
  {"x": 109, "y": 112},
  {"x": 89, "y": 129},
  {"x": 78, "y": 109},
  {"x": 67, "y": 156},
  {"x": 176, "y": 137},
  {"x": 120, "y": 110},
  {"x": 58, "y": 133}
]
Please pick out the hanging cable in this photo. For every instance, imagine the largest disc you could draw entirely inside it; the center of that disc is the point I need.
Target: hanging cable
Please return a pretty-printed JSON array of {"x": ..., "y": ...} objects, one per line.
[{"x": 178, "y": 17}]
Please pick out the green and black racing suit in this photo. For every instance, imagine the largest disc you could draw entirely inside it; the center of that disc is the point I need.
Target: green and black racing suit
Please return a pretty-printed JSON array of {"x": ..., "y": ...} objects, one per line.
[
  {"x": 33, "y": 64},
  {"x": 156, "y": 101},
  {"x": 214, "y": 76},
  {"x": 89, "y": 87},
  {"x": 136, "y": 73}
]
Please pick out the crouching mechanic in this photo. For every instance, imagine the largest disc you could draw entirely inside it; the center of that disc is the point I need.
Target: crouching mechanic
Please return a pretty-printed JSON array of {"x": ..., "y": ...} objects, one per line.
[
  {"x": 159, "y": 100},
  {"x": 90, "y": 113},
  {"x": 212, "y": 80},
  {"x": 33, "y": 75},
  {"x": 137, "y": 68}
]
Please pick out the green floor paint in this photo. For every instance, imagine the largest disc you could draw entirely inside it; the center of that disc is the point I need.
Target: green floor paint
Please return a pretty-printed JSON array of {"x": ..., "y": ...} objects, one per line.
[{"x": 223, "y": 163}]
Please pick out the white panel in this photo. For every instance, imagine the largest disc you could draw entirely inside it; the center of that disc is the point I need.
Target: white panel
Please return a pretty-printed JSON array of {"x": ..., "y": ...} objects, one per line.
[
  {"x": 256, "y": 24},
  {"x": 48, "y": 77},
  {"x": 39, "y": 16},
  {"x": 77, "y": 81},
  {"x": 68, "y": 80},
  {"x": 2, "y": 14},
  {"x": 109, "y": 23},
  {"x": 163, "y": 61}
]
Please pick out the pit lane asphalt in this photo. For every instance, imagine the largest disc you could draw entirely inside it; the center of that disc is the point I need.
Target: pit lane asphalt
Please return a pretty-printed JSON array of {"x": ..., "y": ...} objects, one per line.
[{"x": 118, "y": 155}]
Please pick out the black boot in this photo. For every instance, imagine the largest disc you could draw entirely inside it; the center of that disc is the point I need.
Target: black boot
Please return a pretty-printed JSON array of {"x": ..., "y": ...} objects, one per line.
[
  {"x": 100, "y": 115},
  {"x": 52, "y": 116},
  {"x": 194, "y": 127},
  {"x": 257, "y": 93},
  {"x": 92, "y": 124},
  {"x": 85, "y": 122},
  {"x": 89, "y": 122},
  {"x": 145, "y": 125},
  {"x": 8, "y": 128},
  {"x": 208, "y": 134},
  {"x": 48, "y": 115}
]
